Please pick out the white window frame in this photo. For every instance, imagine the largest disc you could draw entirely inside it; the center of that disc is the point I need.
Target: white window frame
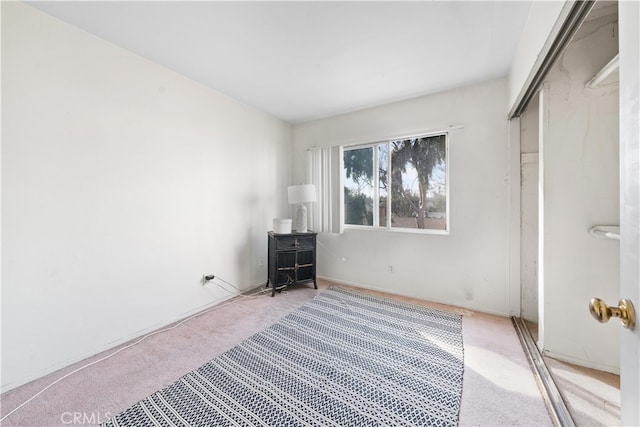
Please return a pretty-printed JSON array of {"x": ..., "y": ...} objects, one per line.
[{"x": 376, "y": 186}]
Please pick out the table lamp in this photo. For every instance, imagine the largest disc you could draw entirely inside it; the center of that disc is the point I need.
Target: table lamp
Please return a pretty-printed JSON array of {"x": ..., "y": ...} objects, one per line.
[{"x": 299, "y": 195}]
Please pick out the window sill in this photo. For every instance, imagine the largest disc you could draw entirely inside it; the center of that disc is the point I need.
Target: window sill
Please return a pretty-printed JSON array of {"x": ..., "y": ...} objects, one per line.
[{"x": 350, "y": 227}]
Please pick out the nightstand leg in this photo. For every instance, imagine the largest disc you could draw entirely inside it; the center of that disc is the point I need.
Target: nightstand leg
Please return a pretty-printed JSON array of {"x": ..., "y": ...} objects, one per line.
[{"x": 273, "y": 288}]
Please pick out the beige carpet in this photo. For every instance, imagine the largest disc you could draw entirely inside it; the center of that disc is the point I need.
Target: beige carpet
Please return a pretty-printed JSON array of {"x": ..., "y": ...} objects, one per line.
[
  {"x": 498, "y": 387},
  {"x": 593, "y": 397}
]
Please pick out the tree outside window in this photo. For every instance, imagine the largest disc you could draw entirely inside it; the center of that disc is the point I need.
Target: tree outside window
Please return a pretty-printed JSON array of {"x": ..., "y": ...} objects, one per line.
[{"x": 397, "y": 184}]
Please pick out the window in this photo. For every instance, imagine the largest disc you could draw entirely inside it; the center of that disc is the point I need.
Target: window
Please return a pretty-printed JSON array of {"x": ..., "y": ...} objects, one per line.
[{"x": 398, "y": 184}]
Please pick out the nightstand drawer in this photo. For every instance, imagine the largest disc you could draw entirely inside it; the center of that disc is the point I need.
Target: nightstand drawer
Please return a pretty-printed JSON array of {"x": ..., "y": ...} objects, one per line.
[{"x": 289, "y": 243}]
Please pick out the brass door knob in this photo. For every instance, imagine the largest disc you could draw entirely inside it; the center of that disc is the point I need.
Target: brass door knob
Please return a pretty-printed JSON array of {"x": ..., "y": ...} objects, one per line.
[{"x": 624, "y": 311}]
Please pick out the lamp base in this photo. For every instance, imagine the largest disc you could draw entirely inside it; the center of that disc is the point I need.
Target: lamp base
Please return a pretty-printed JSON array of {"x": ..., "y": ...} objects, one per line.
[{"x": 301, "y": 218}]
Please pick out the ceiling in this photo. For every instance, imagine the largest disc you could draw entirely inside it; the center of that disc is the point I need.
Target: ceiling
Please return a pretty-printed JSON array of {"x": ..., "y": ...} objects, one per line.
[{"x": 311, "y": 59}]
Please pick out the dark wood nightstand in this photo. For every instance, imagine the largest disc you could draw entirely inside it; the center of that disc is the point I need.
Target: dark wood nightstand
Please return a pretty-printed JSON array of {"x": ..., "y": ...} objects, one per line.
[{"x": 292, "y": 260}]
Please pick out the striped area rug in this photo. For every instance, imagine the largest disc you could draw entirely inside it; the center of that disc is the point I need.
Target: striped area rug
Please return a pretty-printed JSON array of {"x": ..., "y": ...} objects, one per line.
[{"x": 344, "y": 358}]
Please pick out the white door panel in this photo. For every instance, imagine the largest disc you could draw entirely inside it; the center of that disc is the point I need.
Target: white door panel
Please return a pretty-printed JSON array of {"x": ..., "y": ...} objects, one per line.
[{"x": 629, "y": 36}]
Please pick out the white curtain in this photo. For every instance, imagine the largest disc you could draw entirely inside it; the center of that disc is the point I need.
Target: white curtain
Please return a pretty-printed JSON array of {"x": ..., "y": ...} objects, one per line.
[{"x": 324, "y": 173}]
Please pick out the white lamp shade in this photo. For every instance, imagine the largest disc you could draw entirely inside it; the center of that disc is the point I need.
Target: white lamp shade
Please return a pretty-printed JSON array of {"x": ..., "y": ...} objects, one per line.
[{"x": 301, "y": 193}]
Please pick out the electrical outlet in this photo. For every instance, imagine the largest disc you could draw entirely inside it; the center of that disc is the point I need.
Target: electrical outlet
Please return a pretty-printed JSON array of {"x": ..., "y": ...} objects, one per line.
[
  {"x": 261, "y": 262},
  {"x": 390, "y": 268}
]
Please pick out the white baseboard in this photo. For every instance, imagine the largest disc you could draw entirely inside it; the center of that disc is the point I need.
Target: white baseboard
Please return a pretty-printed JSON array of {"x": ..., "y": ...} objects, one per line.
[
  {"x": 584, "y": 363},
  {"x": 395, "y": 292}
]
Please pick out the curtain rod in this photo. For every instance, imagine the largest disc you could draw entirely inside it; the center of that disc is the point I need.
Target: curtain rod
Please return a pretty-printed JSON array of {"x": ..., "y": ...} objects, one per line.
[{"x": 394, "y": 138}]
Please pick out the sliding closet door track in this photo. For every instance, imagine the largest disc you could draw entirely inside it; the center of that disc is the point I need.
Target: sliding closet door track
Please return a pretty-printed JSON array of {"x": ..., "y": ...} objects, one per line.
[{"x": 553, "y": 399}]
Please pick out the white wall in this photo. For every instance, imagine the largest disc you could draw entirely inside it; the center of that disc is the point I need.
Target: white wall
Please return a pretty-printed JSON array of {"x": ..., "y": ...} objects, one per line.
[
  {"x": 467, "y": 268},
  {"x": 544, "y": 21},
  {"x": 581, "y": 189},
  {"x": 122, "y": 184}
]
